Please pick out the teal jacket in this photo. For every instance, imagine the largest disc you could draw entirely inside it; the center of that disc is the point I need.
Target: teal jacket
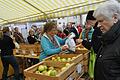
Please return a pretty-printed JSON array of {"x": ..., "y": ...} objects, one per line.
[
  {"x": 89, "y": 34},
  {"x": 48, "y": 48}
]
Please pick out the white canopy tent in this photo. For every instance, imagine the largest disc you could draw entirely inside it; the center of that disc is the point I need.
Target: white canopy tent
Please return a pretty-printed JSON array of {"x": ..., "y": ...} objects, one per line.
[{"x": 13, "y": 11}]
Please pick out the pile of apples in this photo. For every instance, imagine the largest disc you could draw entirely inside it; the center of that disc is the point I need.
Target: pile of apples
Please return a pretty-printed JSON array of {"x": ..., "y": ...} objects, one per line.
[
  {"x": 49, "y": 71},
  {"x": 62, "y": 59}
]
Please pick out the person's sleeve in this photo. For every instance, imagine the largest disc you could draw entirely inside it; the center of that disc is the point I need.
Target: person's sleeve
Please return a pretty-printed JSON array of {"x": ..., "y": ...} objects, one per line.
[
  {"x": 60, "y": 40},
  {"x": 86, "y": 44},
  {"x": 47, "y": 49},
  {"x": 28, "y": 38},
  {"x": 11, "y": 43}
]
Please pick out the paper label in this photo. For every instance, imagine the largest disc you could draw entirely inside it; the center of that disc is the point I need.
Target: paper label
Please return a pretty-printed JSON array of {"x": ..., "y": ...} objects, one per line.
[{"x": 79, "y": 68}]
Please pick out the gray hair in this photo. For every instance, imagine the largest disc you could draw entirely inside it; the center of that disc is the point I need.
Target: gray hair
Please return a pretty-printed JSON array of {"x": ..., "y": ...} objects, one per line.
[{"x": 108, "y": 9}]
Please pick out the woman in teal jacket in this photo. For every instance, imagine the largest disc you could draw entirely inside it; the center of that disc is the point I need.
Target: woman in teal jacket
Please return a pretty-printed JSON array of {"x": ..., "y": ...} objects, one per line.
[{"x": 50, "y": 42}]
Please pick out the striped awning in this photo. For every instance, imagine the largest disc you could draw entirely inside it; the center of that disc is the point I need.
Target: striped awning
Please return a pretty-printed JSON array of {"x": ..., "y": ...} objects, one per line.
[{"x": 13, "y": 11}]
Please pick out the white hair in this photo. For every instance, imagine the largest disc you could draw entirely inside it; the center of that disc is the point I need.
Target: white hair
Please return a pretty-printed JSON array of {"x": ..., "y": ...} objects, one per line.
[{"x": 108, "y": 9}]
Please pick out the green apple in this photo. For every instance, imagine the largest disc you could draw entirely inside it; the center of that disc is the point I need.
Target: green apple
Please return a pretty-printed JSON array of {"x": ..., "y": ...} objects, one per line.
[
  {"x": 44, "y": 72},
  {"x": 41, "y": 68},
  {"x": 67, "y": 64},
  {"x": 69, "y": 59},
  {"x": 53, "y": 73},
  {"x": 37, "y": 72},
  {"x": 63, "y": 60},
  {"x": 55, "y": 60},
  {"x": 63, "y": 68},
  {"x": 51, "y": 68},
  {"x": 58, "y": 58},
  {"x": 45, "y": 67},
  {"x": 48, "y": 73}
]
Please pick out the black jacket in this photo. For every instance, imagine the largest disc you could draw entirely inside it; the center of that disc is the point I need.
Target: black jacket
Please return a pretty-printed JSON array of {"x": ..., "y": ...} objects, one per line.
[
  {"x": 6, "y": 46},
  {"x": 107, "y": 66},
  {"x": 67, "y": 31},
  {"x": 96, "y": 40},
  {"x": 32, "y": 39}
]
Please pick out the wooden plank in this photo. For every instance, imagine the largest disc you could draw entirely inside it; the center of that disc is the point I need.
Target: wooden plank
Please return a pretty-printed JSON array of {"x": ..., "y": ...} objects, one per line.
[{"x": 85, "y": 56}]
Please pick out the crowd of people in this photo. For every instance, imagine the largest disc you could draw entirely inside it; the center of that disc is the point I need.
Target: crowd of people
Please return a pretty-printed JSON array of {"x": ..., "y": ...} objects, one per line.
[{"x": 101, "y": 32}]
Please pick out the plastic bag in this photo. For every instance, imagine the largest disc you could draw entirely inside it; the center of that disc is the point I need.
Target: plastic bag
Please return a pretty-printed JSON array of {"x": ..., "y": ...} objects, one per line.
[
  {"x": 91, "y": 63},
  {"x": 17, "y": 45}
]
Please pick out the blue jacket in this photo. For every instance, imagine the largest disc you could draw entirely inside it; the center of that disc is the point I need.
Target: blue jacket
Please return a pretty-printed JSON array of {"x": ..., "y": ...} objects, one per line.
[{"x": 48, "y": 48}]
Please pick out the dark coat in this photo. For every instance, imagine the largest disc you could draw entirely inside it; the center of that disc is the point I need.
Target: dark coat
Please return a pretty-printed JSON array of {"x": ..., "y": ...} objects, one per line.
[
  {"x": 32, "y": 39},
  {"x": 6, "y": 46},
  {"x": 96, "y": 40},
  {"x": 107, "y": 66},
  {"x": 18, "y": 37},
  {"x": 67, "y": 31}
]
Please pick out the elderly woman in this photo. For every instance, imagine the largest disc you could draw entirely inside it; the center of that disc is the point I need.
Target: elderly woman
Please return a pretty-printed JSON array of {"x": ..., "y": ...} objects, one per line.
[
  {"x": 107, "y": 66},
  {"x": 50, "y": 42},
  {"x": 31, "y": 38}
]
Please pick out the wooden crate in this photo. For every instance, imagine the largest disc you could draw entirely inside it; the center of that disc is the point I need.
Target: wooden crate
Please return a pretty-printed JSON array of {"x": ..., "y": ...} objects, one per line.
[
  {"x": 31, "y": 47},
  {"x": 29, "y": 72},
  {"x": 78, "y": 62},
  {"x": 85, "y": 55},
  {"x": 75, "y": 75},
  {"x": 25, "y": 52},
  {"x": 85, "y": 63},
  {"x": 81, "y": 50},
  {"x": 80, "y": 46},
  {"x": 77, "y": 59},
  {"x": 85, "y": 68}
]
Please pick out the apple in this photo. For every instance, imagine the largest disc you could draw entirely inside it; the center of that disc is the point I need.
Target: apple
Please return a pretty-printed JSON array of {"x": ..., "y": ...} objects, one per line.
[
  {"x": 45, "y": 67},
  {"x": 63, "y": 60},
  {"x": 69, "y": 59},
  {"x": 44, "y": 72},
  {"x": 37, "y": 72},
  {"x": 73, "y": 57},
  {"x": 48, "y": 73},
  {"x": 51, "y": 68},
  {"x": 67, "y": 64},
  {"x": 53, "y": 73},
  {"x": 58, "y": 58},
  {"x": 41, "y": 68},
  {"x": 53, "y": 58},
  {"x": 63, "y": 68}
]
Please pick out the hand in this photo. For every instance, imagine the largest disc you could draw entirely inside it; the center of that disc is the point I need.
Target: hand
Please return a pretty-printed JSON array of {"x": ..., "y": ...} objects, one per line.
[
  {"x": 64, "y": 47},
  {"x": 36, "y": 43},
  {"x": 79, "y": 40}
]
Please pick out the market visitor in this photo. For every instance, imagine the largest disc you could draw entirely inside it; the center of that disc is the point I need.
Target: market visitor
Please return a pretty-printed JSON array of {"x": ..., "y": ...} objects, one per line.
[
  {"x": 32, "y": 39},
  {"x": 18, "y": 36},
  {"x": 107, "y": 66},
  {"x": 7, "y": 57},
  {"x": 51, "y": 44},
  {"x": 95, "y": 33}
]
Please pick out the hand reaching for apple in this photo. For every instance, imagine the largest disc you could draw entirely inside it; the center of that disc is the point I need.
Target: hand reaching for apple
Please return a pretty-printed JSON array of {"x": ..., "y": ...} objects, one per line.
[{"x": 64, "y": 47}]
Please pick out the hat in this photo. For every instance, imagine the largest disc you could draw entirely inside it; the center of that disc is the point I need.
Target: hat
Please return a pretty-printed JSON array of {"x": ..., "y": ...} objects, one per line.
[{"x": 90, "y": 15}]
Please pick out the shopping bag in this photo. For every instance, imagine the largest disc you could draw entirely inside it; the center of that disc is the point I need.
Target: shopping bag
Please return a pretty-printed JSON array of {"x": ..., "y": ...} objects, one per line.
[{"x": 91, "y": 63}]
